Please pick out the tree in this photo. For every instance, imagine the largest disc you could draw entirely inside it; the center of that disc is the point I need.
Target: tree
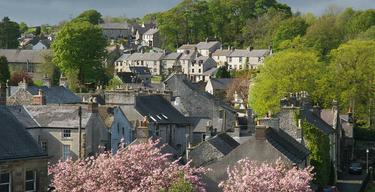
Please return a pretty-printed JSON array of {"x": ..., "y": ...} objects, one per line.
[
  {"x": 23, "y": 27},
  {"x": 360, "y": 22},
  {"x": 249, "y": 176},
  {"x": 285, "y": 72},
  {"x": 369, "y": 34},
  {"x": 353, "y": 74},
  {"x": 9, "y": 34},
  {"x": 140, "y": 167},
  {"x": 79, "y": 50},
  {"x": 19, "y": 76},
  {"x": 4, "y": 70},
  {"x": 115, "y": 82},
  {"x": 92, "y": 16},
  {"x": 289, "y": 29},
  {"x": 223, "y": 72}
]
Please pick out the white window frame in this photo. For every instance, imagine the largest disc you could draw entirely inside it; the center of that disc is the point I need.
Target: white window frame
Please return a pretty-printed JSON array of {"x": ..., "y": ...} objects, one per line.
[
  {"x": 33, "y": 180},
  {"x": 66, "y": 154},
  {"x": 67, "y": 133},
  {"x": 9, "y": 182}
]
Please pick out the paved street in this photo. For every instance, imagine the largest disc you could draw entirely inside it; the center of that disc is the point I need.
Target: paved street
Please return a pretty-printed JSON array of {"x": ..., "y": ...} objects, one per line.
[{"x": 350, "y": 183}]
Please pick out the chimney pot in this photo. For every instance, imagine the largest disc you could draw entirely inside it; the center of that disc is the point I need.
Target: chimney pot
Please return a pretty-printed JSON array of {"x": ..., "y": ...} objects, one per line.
[{"x": 39, "y": 99}]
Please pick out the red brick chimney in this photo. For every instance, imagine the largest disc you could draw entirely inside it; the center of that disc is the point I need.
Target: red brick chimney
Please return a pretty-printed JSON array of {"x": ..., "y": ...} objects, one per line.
[{"x": 39, "y": 99}]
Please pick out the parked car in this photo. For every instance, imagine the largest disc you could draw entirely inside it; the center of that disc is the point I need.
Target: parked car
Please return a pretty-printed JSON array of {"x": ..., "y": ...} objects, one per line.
[{"x": 355, "y": 168}]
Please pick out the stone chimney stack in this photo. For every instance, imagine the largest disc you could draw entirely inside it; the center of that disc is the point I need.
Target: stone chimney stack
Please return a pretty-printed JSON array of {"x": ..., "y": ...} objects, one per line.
[
  {"x": 3, "y": 94},
  {"x": 23, "y": 84},
  {"x": 39, "y": 99},
  {"x": 47, "y": 81},
  {"x": 142, "y": 131},
  {"x": 260, "y": 132},
  {"x": 63, "y": 82},
  {"x": 93, "y": 105}
]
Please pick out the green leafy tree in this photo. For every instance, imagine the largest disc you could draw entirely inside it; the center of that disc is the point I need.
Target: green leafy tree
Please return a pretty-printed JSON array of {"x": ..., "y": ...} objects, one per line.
[
  {"x": 4, "y": 70},
  {"x": 114, "y": 82},
  {"x": 23, "y": 27},
  {"x": 79, "y": 50},
  {"x": 367, "y": 35},
  {"x": 9, "y": 34},
  {"x": 223, "y": 72},
  {"x": 289, "y": 29},
  {"x": 92, "y": 16},
  {"x": 287, "y": 71},
  {"x": 353, "y": 74},
  {"x": 360, "y": 22}
]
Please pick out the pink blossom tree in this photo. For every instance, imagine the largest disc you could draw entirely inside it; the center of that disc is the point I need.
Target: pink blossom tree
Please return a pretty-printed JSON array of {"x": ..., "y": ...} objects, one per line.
[
  {"x": 250, "y": 176},
  {"x": 140, "y": 167}
]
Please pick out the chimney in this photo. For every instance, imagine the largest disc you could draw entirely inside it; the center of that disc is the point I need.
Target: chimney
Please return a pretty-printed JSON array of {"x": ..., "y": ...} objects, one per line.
[
  {"x": 260, "y": 132},
  {"x": 63, "y": 82},
  {"x": 47, "y": 81},
  {"x": 3, "y": 94},
  {"x": 23, "y": 84},
  {"x": 93, "y": 105},
  {"x": 39, "y": 99},
  {"x": 142, "y": 131},
  {"x": 206, "y": 40}
]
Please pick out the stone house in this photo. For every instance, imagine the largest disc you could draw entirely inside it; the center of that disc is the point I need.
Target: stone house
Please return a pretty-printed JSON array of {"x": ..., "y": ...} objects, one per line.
[
  {"x": 149, "y": 60},
  {"x": 169, "y": 61},
  {"x": 218, "y": 86},
  {"x": 221, "y": 56},
  {"x": 208, "y": 47},
  {"x": 187, "y": 48},
  {"x": 186, "y": 60},
  {"x": 199, "y": 66},
  {"x": 115, "y": 30},
  {"x": 121, "y": 130},
  {"x": 120, "y": 63},
  {"x": 26, "y": 60},
  {"x": 247, "y": 58},
  {"x": 137, "y": 31},
  {"x": 57, "y": 129},
  {"x": 151, "y": 38},
  {"x": 23, "y": 164}
]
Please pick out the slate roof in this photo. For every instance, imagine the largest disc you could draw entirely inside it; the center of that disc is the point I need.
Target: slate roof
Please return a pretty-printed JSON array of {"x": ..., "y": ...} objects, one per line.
[
  {"x": 141, "y": 30},
  {"x": 187, "y": 46},
  {"x": 123, "y": 57},
  {"x": 199, "y": 124},
  {"x": 145, "y": 57},
  {"x": 54, "y": 116},
  {"x": 211, "y": 71},
  {"x": 151, "y": 31},
  {"x": 140, "y": 70},
  {"x": 115, "y": 25},
  {"x": 224, "y": 143},
  {"x": 23, "y": 56},
  {"x": 207, "y": 45},
  {"x": 172, "y": 56},
  {"x": 247, "y": 53},
  {"x": 15, "y": 141},
  {"x": 54, "y": 94},
  {"x": 187, "y": 56},
  {"x": 221, "y": 83},
  {"x": 107, "y": 115},
  {"x": 287, "y": 145},
  {"x": 131, "y": 113},
  {"x": 222, "y": 52},
  {"x": 313, "y": 119},
  {"x": 159, "y": 110}
]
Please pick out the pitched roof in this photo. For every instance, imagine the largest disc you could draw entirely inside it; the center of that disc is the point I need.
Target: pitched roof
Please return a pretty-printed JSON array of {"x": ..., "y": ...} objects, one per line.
[
  {"x": 211, "y": 71},
  {"x": 151, "y": 31},
  {"x": 24, "y": 56},
  {"x": 221, "y": 83},
  {"x": 313, "y": 119},
  {"x": 107, "y": 114},
  {"x": 172, "y": 56},
  {"x": 123, "y": 57},
  {"x": 207, "y": 45},
  {"x": 199, "y": 124},
  {"x": 115, "y": 25},
  {"x": 139, "y": 70},
  {"x": 287, "y": 145},
  {"x": 54, "y": 94},
  {"x": 222, "y": 52},
  {"x": 252, "y": 53},
  {"x": 187, "y": 46},
  {"x": 159, "y": 110},
  {"x": 15, "y": 141},
  {"x": 145, "y": 57},
  {"x": 141, "y": 30},
  {"x": 223, "y": 142}
]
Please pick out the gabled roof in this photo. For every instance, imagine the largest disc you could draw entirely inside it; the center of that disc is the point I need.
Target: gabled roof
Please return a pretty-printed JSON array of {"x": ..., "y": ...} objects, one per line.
[
  {"x": 221, "y": 83},
  {"x": 159, "y": 110},
  {"x": 287, "y": 145},
  {"x": 252, "y": 53},
  {"x": 207, "y": 45},
  {"x": 141, "y": 30},
  {"x": 319, "y": 123},
  {"x": 54, "y": 94},
  {"x": 199, "y": 124},
  {"x": 107, "y": 115},
  {"x": 24, "y": 56},
  {"x": 123, "y": 57},
  {"x": 172, "y": 56},
  {"x": 187, "y": 47},
  {"x": 222, "y": 52},
  {"x": 151, "y": 31},
  {"x": 145, "y": 57},
  {"x": 210, "y": 72},
  {"x": 123, "y": 26},
  {"x": 224, "y": 143},
  {"x": 15, "y": 141}
]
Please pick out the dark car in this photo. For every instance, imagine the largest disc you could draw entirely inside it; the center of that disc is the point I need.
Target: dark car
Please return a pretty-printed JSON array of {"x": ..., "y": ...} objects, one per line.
[{"x": 355, "y": 168}]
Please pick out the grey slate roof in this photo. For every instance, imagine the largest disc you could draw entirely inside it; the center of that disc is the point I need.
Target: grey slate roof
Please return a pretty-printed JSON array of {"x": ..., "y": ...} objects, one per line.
[
  {"x": 172, "y": 56},
  {"x": 211, "y": 71},
  {"x": 247, "y": 53},
  {"x": 221, "y": 83},
  {"x": 313, "y": 119},
  {"x": 54, "y": 94},
  {"x": 54, "y": 116},
  {"x": 115, "y": 25},
  {"x": 207, "y": 45},
  {"x": 24, "y": 56},
  {"x": 187, "y": 46},
  {"x": 222, "y": 52},
  {"x": 145, "y": 57},
  {"x": 151, "y": 31},
  {"x": 15, "y": 141},
  {"x": 199, "y": 124},
  {"x": 187, "y": 56},
  {"x": 159, "y": 110},
  {"x": 287, "y": 145},
  {"x": 224, "y": 143},
  {"x": 123, "y": 57},
  {"x": 140, "y": 70}
]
